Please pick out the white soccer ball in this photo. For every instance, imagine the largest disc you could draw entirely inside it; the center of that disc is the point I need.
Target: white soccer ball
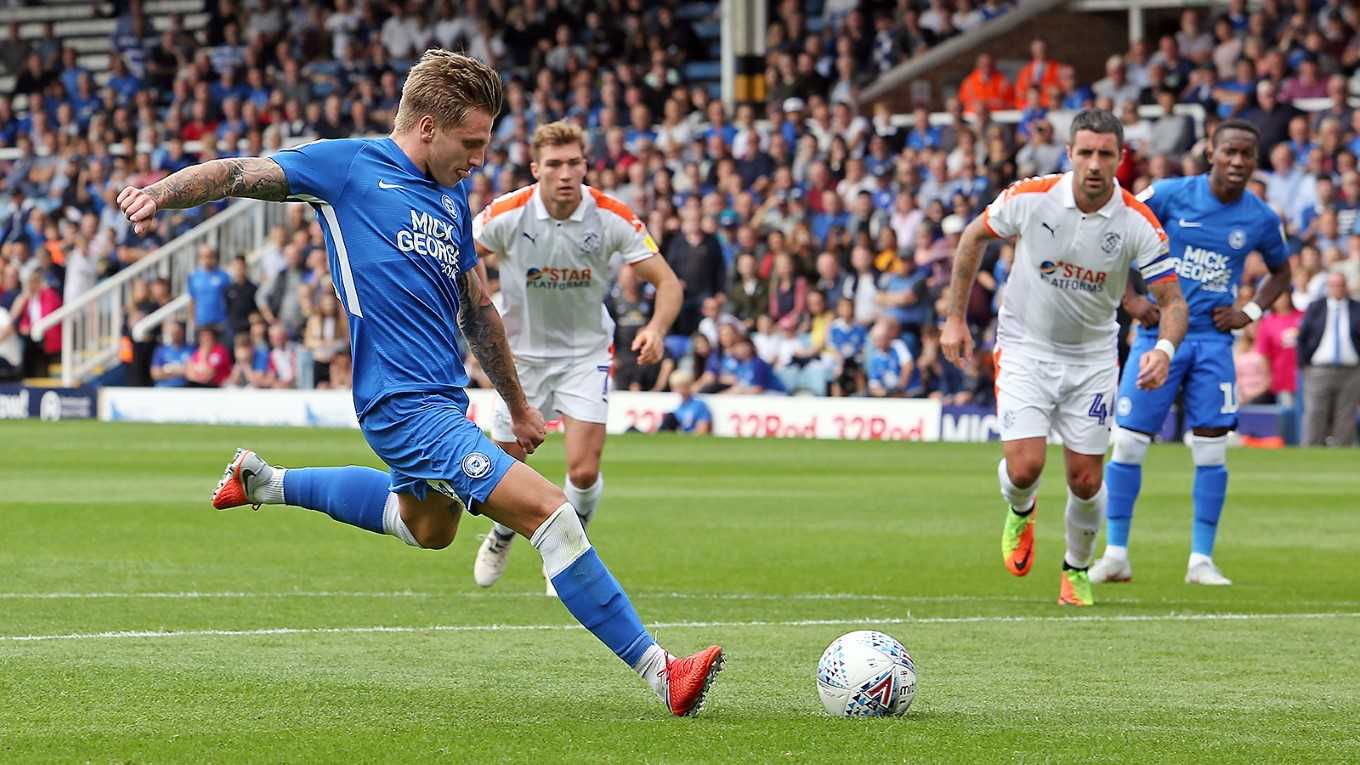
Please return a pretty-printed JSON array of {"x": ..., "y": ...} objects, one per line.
[{"x": 866, "y": 674}]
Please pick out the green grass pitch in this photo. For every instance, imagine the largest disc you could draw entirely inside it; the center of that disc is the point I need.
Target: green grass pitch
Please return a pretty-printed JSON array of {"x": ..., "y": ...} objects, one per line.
[{"x": 138, "y": 625}]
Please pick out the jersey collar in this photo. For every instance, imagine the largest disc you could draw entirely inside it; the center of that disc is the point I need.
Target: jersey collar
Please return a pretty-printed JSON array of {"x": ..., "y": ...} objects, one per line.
[
  {"x": 1069, "y": 199},
  {"x": 396, "y": 154},
  {"x": 577, "y": 215}
]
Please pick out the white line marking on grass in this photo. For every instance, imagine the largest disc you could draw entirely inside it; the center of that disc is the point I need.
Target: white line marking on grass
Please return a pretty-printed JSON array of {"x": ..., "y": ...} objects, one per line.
[
  {"x": 272, "y": 631},
  {"x": 638, "y": 595}
]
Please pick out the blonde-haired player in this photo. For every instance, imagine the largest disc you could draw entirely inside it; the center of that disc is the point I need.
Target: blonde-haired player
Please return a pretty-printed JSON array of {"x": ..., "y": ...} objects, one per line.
[
  {"x": 553, "y": 242},
  {"x": 1078, "y": 234}
]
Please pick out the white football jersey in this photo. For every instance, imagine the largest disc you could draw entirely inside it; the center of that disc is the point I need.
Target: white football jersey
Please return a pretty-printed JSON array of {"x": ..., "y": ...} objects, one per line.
[
  {"x": 555, "y": 273},
  {"x": 1070, "y": 267}
]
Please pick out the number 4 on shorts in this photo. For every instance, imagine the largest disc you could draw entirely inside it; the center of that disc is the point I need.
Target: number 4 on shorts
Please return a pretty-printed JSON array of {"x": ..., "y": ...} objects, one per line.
[{"x": 1098, "y": 409}]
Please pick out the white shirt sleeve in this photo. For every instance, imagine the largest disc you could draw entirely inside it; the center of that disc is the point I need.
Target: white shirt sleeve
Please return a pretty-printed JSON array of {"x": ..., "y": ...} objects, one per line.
[
  {"x": 1152, "y": 253},
  {"x": 490, "y": 232},
  {"x": 626, "y": 236},
  {"x": 1006, "y": 214}
]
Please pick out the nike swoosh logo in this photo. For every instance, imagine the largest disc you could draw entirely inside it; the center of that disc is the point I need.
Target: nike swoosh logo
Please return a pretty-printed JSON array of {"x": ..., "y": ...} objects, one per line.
[
  {"x": 530, "y": 238},
  {"x": 1020, "y": 564},
  {"x": 386, "y": 185},
  {"x": 1190, "y": 223}
]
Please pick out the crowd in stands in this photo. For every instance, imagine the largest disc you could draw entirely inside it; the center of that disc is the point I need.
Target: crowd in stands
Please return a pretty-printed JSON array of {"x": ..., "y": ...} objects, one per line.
[{"x": 814, "y": 240}]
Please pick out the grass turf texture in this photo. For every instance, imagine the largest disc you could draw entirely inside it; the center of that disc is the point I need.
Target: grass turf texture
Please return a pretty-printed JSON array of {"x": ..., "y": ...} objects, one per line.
[{"x": 776, "y": 546}]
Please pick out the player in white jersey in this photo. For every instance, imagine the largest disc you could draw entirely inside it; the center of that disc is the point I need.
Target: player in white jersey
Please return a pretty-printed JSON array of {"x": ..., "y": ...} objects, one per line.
[
  {"x": 1077, "y": 236},
  {"x": 553, "y": 242}
]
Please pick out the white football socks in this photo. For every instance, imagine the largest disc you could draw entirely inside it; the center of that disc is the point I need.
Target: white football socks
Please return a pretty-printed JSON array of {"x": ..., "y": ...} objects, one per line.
[
  {"x": 394, "y": 525},
  {"x": 1116, "y": 552},
  {"x": 652, "y": 668},
  {"x": 584, "y": 500},
  {"x": 1083, "y": 523},
  {"x": 1019, "y": 499},
  {"x": 271, "y": 492},
  {"x": 506, "y": 533}
]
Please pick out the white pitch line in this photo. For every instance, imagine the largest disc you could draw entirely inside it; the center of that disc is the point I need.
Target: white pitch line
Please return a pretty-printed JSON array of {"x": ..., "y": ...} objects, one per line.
[
  {"x": 270, "y": 631},
  {"x": 639, "y": 595}
]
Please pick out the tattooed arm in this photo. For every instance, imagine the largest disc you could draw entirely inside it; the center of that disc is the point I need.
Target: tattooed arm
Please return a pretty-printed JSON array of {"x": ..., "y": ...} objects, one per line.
[
  {"x": 481, "y": 325},
  {"x": 252, "y": 177}
]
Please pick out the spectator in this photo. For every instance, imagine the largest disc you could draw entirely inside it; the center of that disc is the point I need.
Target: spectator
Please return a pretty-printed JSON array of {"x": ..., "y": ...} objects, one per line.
[
  {"x": 1040, "y": 155},
  {"x": 1040, "y": 72},
  {"x": 905, "y": 297},
  {"x": 240, "y": 298},
  {"x": 1329, "y": 339},
  {"x": 170, "y": 361},
  {"x": 210, "y": 363},
  {"x": 279, "y": 300},
  {"x": 887, "y": 361},
  {"x": 1172, "y": 133},
  {"x": 341, "y": 371},
  {"x": 788, "y": 292},
  {"x": 1254, "y": 384},
  {"x": 691, "y": 415},
  {"x": 696, "y": 257},
  {"x": 1277, "y": 337},
  {"x": 1307, "y": 84},
  {"x": 986, "y": 88},
  {"x": 243, "y": 373},
  {"x": 1116, "y": 85},
  {"x": 1271, "y": 117},
  {"x": 748, "y": 294},
  {"x": 207, "y": 287},
  {"x": 285, "y": 358},
  {"x": 11, "y": 349},
  {"x": 327, "y": 333},
  {"x": 751, "y": 374},
  {"x": 36, "y": 302},
  {"x": 1289, "y": 189},
  {"x": 1072, "y": 95}
]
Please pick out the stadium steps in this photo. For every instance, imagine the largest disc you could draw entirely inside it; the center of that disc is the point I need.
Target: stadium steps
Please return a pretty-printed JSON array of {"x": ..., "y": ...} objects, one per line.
[
  {"x": 58, "y": 10},
  {"x": 92, "y": 38}
]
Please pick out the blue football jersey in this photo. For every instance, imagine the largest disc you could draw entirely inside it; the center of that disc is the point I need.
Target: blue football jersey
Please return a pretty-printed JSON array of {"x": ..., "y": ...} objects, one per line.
[
  {"x": 1211, "y": 241},
  {"x": 399, "y": 244}
]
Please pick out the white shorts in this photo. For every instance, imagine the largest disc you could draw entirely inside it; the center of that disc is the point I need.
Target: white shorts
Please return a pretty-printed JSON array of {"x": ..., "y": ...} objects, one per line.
[
  {"x": 1035, "y": 398},
  {"x": 578, "y": 388}
]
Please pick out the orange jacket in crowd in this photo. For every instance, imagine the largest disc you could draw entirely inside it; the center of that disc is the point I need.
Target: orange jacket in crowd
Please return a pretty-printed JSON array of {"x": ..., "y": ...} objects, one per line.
[
  {"x": 995, "y": 93},
  {"x": 1047, "y": 82}
]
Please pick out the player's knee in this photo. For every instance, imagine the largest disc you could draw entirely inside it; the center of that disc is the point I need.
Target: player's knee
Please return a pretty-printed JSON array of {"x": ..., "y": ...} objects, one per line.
[
  {"x": 583, "y": 476},
  {"x": 434, "y": 533},
  {"x": 1130, "y": 446},
  {"x": 1209, "y": 451},
  {"x": 1023, "y": 473},
  {"x": 1084, "y": 483}
]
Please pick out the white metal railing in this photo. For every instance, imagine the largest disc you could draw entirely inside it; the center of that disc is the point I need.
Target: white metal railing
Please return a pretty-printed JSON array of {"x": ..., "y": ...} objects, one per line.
[{"x": 92, "y": 324}]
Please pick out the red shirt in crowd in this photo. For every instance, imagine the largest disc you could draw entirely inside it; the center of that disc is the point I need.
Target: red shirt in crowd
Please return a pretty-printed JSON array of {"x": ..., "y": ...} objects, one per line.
[
  {"x": 1276, "y": 338},
  {"x": 217, "y": 358}
]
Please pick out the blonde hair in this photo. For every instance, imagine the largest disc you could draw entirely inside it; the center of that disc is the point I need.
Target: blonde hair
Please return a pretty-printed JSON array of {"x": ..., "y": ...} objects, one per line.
[
  {"x": 558, "y": 134},
  {"x": 447, "y": 86}
]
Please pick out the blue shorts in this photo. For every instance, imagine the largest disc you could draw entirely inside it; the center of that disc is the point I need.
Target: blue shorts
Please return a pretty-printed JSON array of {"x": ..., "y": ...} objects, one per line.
[
  {"x": 1202, "y": 367},
  {"x": 428, "y": 443}
]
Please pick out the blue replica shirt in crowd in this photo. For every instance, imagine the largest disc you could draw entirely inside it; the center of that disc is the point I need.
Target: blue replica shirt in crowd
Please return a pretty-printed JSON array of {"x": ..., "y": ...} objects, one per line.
[
  {"x": 755, "y": 372},
  {"x": 399, "y": 244},
  {"x": 209, "y": 291},
  {"x": 171, "y": 354},
  {"x": 887, "y": 367},
  {"x": 1211, "y": 241},
  {"x": 846, "y": 338},
  {"x": 691, "y": 412}
]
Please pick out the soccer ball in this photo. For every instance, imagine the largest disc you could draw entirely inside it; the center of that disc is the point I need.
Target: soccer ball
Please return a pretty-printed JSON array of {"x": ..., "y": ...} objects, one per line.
[{"x": 866, "y": 674}]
